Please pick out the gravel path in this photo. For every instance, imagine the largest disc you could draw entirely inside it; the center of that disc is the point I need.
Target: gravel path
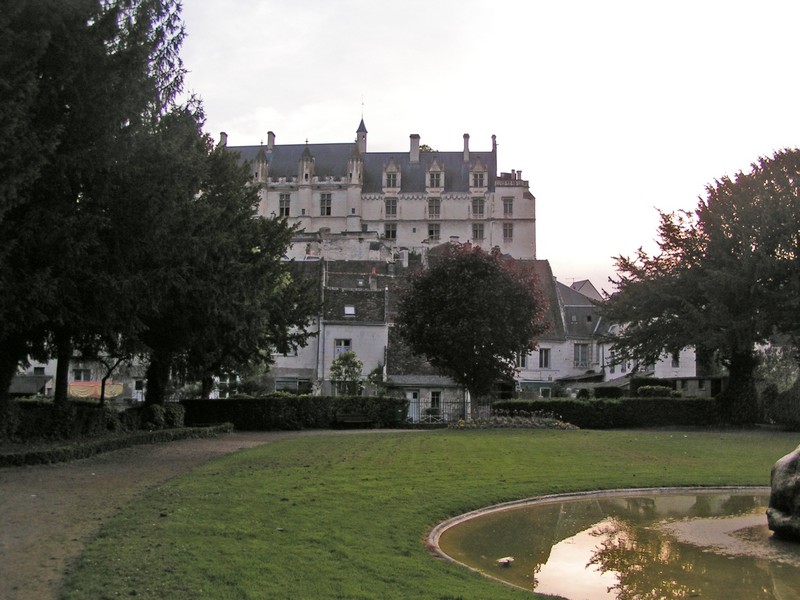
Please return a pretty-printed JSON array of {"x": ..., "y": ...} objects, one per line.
[{"x": 49, "y": 513}]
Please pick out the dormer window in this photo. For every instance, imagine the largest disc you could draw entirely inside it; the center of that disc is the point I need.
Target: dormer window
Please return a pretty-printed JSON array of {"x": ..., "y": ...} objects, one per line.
[
  {"x": 435, "y": 177},
  {"x": 479, "y": 177},
  {"x": 391, "y": 176}
]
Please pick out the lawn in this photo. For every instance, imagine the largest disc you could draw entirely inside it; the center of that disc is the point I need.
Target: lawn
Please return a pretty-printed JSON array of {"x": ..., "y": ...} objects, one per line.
[{"x": 347, "y": 516}]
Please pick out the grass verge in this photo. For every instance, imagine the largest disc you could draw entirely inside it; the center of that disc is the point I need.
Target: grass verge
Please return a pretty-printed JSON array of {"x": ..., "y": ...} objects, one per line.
[{"x": 346, "y": 516}]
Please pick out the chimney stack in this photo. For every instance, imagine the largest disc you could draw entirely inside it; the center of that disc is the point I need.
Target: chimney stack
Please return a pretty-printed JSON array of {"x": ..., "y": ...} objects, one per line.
[
  {"x": 270, "y": 141},
  {"x": 223, "y": 139},
  {"x": 414, "y": 147},
  {"x": 466, "y": 147}
]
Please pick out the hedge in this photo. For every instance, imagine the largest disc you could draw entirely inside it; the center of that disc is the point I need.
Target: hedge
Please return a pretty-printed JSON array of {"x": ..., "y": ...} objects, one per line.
[
  {"x": 621, "y": 413},
  {"x": 86, "y": 448},
  {"x": 290, "y": 412}
]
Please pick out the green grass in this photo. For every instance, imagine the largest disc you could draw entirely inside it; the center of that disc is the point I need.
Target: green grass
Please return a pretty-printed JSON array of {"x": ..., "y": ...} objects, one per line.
[{"x": 347, "y": 516}]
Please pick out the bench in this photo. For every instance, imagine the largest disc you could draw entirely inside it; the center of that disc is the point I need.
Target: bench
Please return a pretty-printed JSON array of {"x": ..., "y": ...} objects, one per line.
[{"x": 354, "y": 419}]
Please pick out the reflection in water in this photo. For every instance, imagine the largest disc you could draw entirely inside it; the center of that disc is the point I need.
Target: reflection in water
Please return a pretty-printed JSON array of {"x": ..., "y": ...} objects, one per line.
[{"x": 634, "y": 548}]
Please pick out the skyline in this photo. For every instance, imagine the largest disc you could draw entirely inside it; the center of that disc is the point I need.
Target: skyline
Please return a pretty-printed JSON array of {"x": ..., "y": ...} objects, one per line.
[{"x": 610, "y": 110}]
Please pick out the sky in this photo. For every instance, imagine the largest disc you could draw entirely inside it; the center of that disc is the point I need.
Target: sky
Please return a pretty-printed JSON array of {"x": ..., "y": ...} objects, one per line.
[{"x": 612, "y": 110}]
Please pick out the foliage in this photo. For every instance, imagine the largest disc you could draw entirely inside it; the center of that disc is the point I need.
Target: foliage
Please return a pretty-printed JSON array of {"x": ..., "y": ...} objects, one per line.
[
  {"x": 778, "y": 365},
  {"x": 785, "y": 408},
  {"x": 725, "y": 278},
  {"x": 470, "y": 313},
  {"x": 608, "y": 392},
  {"x": 76, "y": 449},
  {"x": 654, "y": 391},
  {"x": 514, "y": 419},
  {"x": 339, "y": 509},
  {"x": 347, "y": 374},
  {"x": 281, "y": 411},
  {"x": 622, "y": 413},
  {"x": 89, "y": 73}
]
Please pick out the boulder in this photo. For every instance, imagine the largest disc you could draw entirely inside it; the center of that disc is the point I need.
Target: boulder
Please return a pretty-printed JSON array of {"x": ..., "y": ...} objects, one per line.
[{"x": 783, "y": 514}]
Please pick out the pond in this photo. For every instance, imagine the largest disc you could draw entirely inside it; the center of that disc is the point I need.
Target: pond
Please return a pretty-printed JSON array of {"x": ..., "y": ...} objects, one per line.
[{"x": 630, "y": 544}]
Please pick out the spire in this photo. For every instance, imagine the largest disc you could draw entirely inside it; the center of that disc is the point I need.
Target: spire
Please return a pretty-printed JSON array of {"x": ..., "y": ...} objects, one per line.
[{"x": 361, "y": 137}]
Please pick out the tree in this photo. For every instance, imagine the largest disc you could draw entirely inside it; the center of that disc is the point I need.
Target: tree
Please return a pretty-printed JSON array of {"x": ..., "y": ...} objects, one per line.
[
  {"x": 724, "y": 279},
  {"x": 347, "y": 374},
  {"x": 470, "y": 314},
  {"x": 83, "y": 75}
]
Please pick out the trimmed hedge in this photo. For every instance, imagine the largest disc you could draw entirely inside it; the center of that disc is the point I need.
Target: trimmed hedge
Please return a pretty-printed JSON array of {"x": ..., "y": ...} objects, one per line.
[
  {"x": 289, "y": 412},
  {"x": 623, "y": 412},
  {"x": 86, "y": 448}
]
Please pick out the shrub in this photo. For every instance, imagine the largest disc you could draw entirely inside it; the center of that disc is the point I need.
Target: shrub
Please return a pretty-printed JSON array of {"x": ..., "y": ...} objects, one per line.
[
  {"x": 653, "y": 391},
  {"x": 608, "y": 392},
  {"x": 154, "y": 417},
  {"x": 174, "y": 414},
  {"x": 785, "y": 409},
  {"x": 623, "y": 412},
  {"x": 282, "y": 411}
]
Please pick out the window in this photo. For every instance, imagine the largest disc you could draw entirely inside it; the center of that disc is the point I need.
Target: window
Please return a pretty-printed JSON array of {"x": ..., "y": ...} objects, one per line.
[
  {"x": 478, "y": 208},
  {"x": 544, "y": 358},
  {"x": 676, "y": 360},
  {"x": 612, "y": 367},
  {"x": 391, "y": 208},
  {"x": 390, "y": 231},
  {"x": 227, "y": 385},
  {"x": 349, "y": 310},
  {"x": 508, "y": 207},
  {"x": 391, "y": 180},
  {"x": 340, "y": 346},
  {"x": 325, "y": 205},
  {"x": 477, "y": 231},
  {"x": 508, "y": 232},
  {"x": 544, "y": 392},
  {"x": 436, "y": 399},
  {"x": 38, "y": 370},
  {"x": 434, "y": 208},
  {"x": 283, "y": 205},
  {"x": 581, "y": 355},
  {"x": 433, "y": 231},
  {"x": 81, "y": 375},
  {"x": 435, "y": 180},
  {"x": 477, "y": 180},
  {"x": 522, "y": 360}
]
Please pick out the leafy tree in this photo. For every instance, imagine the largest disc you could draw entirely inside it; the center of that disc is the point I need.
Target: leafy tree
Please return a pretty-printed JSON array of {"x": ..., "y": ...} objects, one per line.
[
  {"x": 347, "y": 373},
  {"x": 470, "y": 313},
  {"x": 88, "y": 74},
  {"x": 724, "y": 279}
]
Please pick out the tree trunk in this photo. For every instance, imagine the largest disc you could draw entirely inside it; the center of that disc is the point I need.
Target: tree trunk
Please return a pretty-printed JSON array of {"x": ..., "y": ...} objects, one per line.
[
  {"x": 157, "y": 377},
  {"x": 207, "y": 385},
  {"x": 63, "y": 356},
  {"x": 9, "y": 363},
  {"x": 738, "y": 403}
]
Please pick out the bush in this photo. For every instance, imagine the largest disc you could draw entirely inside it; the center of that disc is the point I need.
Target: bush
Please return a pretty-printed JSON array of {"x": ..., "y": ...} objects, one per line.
[
  {"x": 784, "y": 409},
  {"x": 653, "y": 391},
  {"x": 281, "y": 411},
  {"x": 637, "y": 382},
  {"x": 623, "y": 412},
  {"x": 174, "y": 414},
  {"x": 154, "y": 417},
  {"x": 608, "y": 392}
]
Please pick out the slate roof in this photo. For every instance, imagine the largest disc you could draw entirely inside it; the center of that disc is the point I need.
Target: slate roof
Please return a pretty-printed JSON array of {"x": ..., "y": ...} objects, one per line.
[
  {"x": 331, "y": 160},
  {"x": 28, "y": 385}
]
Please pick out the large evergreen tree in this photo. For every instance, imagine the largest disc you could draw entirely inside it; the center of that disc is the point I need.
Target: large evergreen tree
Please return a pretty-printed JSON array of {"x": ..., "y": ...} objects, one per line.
[
  {"x": 470, "y": 314},
  {"x": 724, "y": 279}
]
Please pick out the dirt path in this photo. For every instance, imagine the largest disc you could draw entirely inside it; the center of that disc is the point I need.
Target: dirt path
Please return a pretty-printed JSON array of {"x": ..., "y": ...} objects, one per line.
[{"x": 48, "y": 513}]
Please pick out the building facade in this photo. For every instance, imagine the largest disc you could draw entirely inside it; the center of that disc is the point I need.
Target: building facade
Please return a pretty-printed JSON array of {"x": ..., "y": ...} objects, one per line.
[{"x": 410, "y": 199}]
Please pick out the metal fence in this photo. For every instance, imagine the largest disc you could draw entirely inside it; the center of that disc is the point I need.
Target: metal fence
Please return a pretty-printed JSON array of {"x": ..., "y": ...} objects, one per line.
[{"x": 421, "y": 411}]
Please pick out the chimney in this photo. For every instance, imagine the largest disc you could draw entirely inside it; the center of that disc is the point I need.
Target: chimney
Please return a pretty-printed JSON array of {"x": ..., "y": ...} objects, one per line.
[
  {"x": 270, "y": 141},
  {"x": 494, "y": 143},
  {"x": 223, "y": 139},
  {"x": 414, "y": 147},
  {"x": 466, "y": 147}
]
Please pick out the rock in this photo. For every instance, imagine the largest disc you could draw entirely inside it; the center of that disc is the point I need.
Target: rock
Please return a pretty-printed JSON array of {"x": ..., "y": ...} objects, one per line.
[
  {"x": 505, "y": 561},
  {"x": 783, "y": 514}
]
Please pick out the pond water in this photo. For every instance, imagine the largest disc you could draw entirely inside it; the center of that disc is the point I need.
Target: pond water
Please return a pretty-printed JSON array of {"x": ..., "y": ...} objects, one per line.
[{"x": 623, "y": 545}]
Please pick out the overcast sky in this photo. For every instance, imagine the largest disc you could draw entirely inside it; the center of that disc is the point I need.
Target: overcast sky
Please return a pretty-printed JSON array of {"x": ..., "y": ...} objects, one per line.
[{"x": 610, "y": 108}]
